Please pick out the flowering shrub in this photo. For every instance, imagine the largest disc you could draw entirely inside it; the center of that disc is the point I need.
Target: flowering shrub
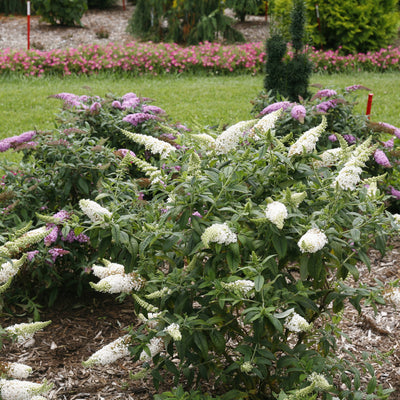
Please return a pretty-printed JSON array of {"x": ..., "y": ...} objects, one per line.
[
  {"x": 164, "y": 58},
  {"x": 13, "y": 383},
  {"x": 337, "y": 107},
  {"x": 235, "y": 244},
  {"x": 238, "y": 260},
  {"x": 71, "y": 163}
]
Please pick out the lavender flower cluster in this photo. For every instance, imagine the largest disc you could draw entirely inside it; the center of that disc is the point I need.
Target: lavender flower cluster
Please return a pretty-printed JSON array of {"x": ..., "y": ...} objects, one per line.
[{"x": 15, "y": 141}]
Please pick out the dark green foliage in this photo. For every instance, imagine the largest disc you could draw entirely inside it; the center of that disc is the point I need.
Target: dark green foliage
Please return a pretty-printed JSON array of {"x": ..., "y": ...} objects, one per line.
[
  {"x": 60, "y": 12},
  {"x": 143, "y": 21},
  {"x": 289, "y": 78},
  {"x": 353, "y": 25},
  {"x": 244, "y": 7},
  {"x": 188, "y": 22},
  {"x": 299, "y": 68},
  {"x": 13, "y": 7},
  {"x": 101, "y": 4},
  {"x": 298, "y": 71},
  {"x": 275, "y": 79}
]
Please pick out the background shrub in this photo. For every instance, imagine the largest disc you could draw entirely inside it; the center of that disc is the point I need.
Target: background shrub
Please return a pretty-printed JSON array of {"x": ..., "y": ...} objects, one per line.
[
  {"x": 60, "y": 12},
  {"x": 101, "y": 4},
  {"x": 354, "y": 26},
  {"x": 244, "y": 7},
  {"x": 183, "y": 21},
  {"x": 13, "y": 6}
]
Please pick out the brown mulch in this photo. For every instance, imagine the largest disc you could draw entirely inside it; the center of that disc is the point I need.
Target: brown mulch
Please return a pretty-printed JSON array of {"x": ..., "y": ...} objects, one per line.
[{"x": 79, "y": 328}]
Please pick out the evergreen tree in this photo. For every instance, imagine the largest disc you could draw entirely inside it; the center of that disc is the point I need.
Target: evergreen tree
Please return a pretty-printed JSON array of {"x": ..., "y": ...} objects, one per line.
[
  {"x": 289, "y": 78},
  {"x": 275, "y": 68},
  {"x": 299, "y": 68}
]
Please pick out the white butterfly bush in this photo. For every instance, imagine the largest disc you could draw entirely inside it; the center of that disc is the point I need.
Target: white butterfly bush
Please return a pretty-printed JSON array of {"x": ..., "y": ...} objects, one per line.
[
  {"x": 151, "y": 143},
  {"x": 15, "y": 389},
  {"x": 25, "y": 331},
  {"x": 218, "y": 233},
  {"x": 94, "y": 211},
  {"x": 308, "y": 140},
  {"x": 119, "y": 283},
  {"x": 243, "y": 286},
  {"x": 174, "y": 331},
  {"x": 312, "y": 241},
  {"x": 110, "y": 353},
  {"x": 16, "y": 370},
  {"x": 296, "y": 323},
  {"x": 230, "y": 138},
  {"x": 155, "y": 347},
  {"x": 276, "y": 212}
]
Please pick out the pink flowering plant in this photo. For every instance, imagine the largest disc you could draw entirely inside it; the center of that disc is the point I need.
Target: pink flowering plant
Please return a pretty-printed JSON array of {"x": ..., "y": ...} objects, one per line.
[
  {"x": 238, "y": 259},
  {"x": 139, "y": 58}
]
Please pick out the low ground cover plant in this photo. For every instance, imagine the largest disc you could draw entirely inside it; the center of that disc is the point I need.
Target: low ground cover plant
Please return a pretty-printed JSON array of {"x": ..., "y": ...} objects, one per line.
[
  {"x": 168, "y": 58},
  {"x": 235, "y": 242}
]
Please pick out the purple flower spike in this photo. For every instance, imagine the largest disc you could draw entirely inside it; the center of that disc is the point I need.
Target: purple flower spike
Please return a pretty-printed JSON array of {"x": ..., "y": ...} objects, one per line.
[
  {"x": 326, "y": 105},
  {"x": 276, "y": 106},
  {"x": 116, "y": 104},
  {"x": 389, "y": 144},
  {"x": 52, "y": 236},
  {"x": 396, "y": 131},
  {"x": 350, "y": 139},
  {"x": 352, "y": 88},
  {"x": 138, "y": 118},
  {"x": 298, "y": 112},
  {"x": 332, "y": 138},
  {"x": 124, "y": 152},
  {"x": 95, "y": 107},
  {"x": 31, "y": 254},
  {"x": 394, "y": 192},
  {"x": 324, "y": 93},
  {"x": 152, "y": 109},
  {"x": 381, "y": 158},
  {"x": 57, "y": 252}
]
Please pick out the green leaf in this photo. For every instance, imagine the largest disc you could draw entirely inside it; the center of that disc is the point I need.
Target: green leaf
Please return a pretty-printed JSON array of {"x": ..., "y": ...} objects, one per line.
[
  {"x": 218, "y": 340},
  {"x": 258, "y": 283},
  {"x": 275, "y": 322},
  {"x": 353, "y": 270},
  {"x": 83, "y": 185},
  {"x": 304, "y": 267},
  {"x": 355, "y": 234},
  {"x": 201, "y": 343},
  {"x": 362, "y": 255},
  {"x": 280, "y": 245},
  {"x": 371, "y": 385}
]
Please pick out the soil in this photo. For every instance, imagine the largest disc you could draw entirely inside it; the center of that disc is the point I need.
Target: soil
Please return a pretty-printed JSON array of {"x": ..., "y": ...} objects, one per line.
[{"x": 79, "y": 328}]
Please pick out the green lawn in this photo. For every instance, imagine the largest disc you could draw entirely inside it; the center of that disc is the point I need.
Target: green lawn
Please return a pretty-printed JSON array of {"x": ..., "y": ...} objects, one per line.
[{"x": 24, "y": 102}]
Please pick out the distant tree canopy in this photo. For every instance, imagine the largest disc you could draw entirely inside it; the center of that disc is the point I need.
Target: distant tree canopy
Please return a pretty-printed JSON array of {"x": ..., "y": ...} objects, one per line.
[{"x": 182, "y": 21}]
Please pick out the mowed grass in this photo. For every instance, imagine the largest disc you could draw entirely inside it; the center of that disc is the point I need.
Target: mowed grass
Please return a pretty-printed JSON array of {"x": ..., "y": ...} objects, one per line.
[{"x": 194, "y": 100}]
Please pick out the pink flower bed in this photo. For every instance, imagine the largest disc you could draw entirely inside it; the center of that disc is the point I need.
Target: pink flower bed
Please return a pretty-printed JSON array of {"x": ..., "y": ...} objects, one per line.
[{"x": 151, "y": 58}]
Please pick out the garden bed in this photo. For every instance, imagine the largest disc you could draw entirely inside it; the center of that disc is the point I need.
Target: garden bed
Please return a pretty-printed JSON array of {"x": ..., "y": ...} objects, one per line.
[{"x": 81, "y": 327}]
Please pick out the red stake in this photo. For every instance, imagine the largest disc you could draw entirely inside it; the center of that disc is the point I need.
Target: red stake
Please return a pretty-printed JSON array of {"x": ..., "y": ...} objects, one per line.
[
  {"x": 369, "y": 105},
  {"x": 266, "y": 11},
  {"x": 123, "y": 5},
  {"x": 28, "y": 14}
]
